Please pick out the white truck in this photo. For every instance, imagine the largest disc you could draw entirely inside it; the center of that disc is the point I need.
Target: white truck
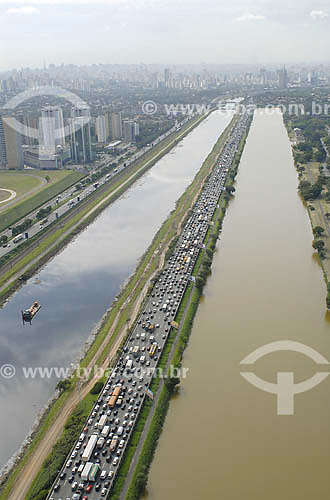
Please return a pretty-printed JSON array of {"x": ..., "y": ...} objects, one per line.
[
  {"x": 89, "y": 448},
  {"x": 105, "y": 431},
  {"x": 102, "y": 422},
  {"x": 86, "y": 471}
]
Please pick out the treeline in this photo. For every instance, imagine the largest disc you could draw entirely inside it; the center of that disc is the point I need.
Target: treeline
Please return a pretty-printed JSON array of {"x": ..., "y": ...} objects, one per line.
[
  {"x": 21, "y": 227},
  {"x": 151, "y": 129},
  {"x": 43, "y": 212}
]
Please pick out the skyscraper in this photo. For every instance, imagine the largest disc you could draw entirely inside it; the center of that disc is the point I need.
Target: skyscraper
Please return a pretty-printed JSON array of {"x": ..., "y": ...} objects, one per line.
[
  {"x": 117, "y": 127},
  {"x": 131, "y": 130},
  {"x": 102, "y": 131},
  {"x": 80, "y": 135},
  {"x": 11, "y": 152},
  {"x": 52, "y": 129},
  {"x": 283, "y": 78}
]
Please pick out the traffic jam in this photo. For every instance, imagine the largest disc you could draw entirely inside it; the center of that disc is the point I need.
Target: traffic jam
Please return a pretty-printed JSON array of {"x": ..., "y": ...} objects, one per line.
[{"x": 91, "y": 468}]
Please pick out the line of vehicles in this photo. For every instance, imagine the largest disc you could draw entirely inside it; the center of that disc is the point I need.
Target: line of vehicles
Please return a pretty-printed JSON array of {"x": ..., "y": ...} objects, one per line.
[{"x": 92, "y": 466}]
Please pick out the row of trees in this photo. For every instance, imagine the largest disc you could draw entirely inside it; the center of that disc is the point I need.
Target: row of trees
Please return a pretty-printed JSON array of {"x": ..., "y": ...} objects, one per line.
[
  {"x": 43, "y": 212},
  {"x": 21, "y": 227}
]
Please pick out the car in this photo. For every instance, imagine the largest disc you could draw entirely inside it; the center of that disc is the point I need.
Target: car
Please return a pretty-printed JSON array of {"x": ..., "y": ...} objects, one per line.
[
  {"x": 74, "y": 485},
  {"x": 107, "y": 484},
  {"x": 89, "y": 488},
  {"x": 103, "y": 475},
  {"x": 57, "y": 487},
  {"x": 111, "y": 474},
  {"x": 71, "y": 478},
  {"x": 97, "y": 486},
  {"x": 62, "y": 475},
  {"x": 76, "y": 496},
  {"x": 104, "y": 492},
  {"x": 68, "y": 464}
]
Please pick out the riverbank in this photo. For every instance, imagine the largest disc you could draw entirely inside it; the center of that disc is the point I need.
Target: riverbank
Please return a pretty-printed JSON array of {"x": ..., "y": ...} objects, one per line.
[
  {"x": 118, "y": 307},
  {"x": 136, "y": 480},
  {"x": 42, "y": 248},
  {"x": 318, "y": 209}
]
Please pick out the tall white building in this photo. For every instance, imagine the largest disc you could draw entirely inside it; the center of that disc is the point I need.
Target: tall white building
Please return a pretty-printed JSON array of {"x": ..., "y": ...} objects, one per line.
[
  {"x": 117, "y": 127},
  {"x": 101, "y": 129},
  {"x": 51, "y": 129}
]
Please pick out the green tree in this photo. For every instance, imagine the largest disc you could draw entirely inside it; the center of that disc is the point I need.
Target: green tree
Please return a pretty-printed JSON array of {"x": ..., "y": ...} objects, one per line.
[
  {"x": 97, "y": 387},
  {"x": 141, "y": 482},
  {"x": 318, "y": 245},
  {"x": 172, "y": 383},
  {"x": 47, "y": 178},
  {"x": 318, "y": 230}
]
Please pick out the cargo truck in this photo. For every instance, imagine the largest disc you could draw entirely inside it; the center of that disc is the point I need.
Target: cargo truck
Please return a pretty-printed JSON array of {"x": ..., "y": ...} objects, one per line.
[
  {"x": 89, "y": 448},
  {"x": 102, "y": 422},
  {"x": 86, "y": 471},
  {"x": 105, "y": 431}
]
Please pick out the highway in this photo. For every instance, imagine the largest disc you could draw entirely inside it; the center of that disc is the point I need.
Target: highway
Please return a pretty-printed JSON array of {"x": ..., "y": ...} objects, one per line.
[
  {"x": 113, "y": 417},
  {"x": 64, "y": 202}
]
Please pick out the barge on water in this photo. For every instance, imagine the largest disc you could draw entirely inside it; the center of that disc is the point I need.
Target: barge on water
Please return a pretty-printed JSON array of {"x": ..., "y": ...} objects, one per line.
[{"x": 29, "y": 314}]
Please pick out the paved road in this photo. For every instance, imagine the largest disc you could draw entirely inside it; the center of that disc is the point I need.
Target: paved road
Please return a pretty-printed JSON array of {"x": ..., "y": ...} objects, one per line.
[
  {"x": 69, "y": 198},
  {"x": 27, "y": 474},
  {"x": 114, "y": 415}
]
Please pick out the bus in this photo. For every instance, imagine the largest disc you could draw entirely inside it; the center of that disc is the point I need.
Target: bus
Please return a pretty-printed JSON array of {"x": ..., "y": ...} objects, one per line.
[
  {"x": 18, "y": 238},
  {"x": 153, "y": 349},
  {"x": 94, "y": 472}
]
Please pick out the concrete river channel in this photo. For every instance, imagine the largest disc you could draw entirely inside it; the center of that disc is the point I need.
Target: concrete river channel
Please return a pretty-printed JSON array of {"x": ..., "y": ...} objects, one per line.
[
  {"x": 79, "y": 284},
  {"x": 223, "y": 437}
]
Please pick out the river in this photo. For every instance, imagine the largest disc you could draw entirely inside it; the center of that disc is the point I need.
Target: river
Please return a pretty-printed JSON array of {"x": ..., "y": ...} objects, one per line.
[
  {"x": 223, "y": 437},
  {"x": 79, "y": 284}
]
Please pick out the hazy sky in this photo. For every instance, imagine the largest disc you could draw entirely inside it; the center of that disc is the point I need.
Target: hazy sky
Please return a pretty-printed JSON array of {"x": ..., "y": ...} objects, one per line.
[{"x": 163, "y": 31}]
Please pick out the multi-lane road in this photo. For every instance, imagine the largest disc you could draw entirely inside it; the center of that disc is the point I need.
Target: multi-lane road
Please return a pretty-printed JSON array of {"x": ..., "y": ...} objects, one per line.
[
  {"x": 116, "y": 410},
  {"x": 63, "y": 203}
]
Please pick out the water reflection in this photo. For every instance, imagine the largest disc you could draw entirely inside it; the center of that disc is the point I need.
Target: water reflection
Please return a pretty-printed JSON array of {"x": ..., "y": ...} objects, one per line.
[{"x": 78, "y": 285}]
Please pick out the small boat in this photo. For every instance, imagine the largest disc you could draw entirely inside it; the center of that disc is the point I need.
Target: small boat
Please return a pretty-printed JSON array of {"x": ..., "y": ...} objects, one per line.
[{"x": 29, "y": 314}]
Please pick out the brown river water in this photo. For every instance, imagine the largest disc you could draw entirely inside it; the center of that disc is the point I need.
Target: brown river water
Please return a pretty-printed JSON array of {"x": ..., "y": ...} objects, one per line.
[{"x": 223, "y": 437}]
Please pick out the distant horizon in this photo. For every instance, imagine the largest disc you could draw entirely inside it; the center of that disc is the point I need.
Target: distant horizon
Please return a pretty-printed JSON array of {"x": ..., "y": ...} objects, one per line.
[
  {"x": 256, "y": 32},
  {"x": 237, "y": 65}
]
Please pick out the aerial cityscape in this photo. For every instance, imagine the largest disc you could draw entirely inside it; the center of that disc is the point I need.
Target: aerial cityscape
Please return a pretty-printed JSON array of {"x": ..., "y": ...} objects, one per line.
[{"x": 164, "y": 250}]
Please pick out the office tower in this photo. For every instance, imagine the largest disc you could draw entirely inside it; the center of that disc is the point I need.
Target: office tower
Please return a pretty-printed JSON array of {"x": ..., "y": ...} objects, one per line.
[
  {"x": 52, "y": 129},
  {"x": 117, "y": 127},
  {"x": 167, "y": 75},
  {"x": 80, "y": 135},
  {"x": 11, "y": 152},
  {"x": 101, "y": 128},
  {"x": 131, "y": 130},
  {"x": 283, "y": 78}
]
